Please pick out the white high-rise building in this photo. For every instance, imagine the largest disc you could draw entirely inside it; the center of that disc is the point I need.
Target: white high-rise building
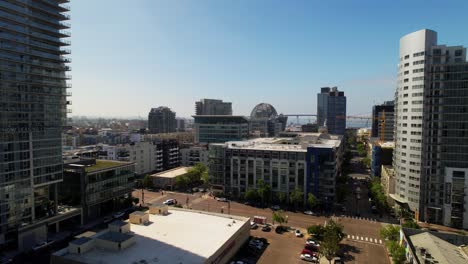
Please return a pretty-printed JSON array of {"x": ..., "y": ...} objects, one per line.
[{"x": 431, "y": 130}]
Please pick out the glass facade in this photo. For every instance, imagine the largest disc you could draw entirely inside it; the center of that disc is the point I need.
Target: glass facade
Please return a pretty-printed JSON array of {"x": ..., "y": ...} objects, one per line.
[
  {"x": 33, "y": 99},
  {"x": 331, "y": 110}
]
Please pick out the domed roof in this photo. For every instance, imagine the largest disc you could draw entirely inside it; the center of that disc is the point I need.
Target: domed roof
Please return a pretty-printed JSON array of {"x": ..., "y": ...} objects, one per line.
[{"x": 263, "y": 110}]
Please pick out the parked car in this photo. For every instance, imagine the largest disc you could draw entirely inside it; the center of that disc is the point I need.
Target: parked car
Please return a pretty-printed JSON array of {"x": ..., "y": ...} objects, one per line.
[
  {"x": 298, "y": 233},
  {"x": 309, "y": 212},
  {"x": 253, "y": 225},
  {"x": 256, "y": 244},
  {"x": 275, "y": 208},
  {"x": 118, "y": 215},
  {"x": 337, "y": 260},
  {"x": 312, "y": 242},
  {"x": 309, "y": 251},
  {"x": 312, "y": 248},
  {"x": 42, "y": 245},
  {"x": 107, "y": 219},
  {"x": 309, "y": 258},
  {"x": 221, "y": 199},
  {"x": 266, "y": 228},
  {"x": 169, "y": 202}
]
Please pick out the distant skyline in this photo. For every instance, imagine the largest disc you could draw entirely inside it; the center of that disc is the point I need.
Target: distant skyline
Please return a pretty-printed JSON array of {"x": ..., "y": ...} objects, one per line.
[{"x": 131, "y": 56}]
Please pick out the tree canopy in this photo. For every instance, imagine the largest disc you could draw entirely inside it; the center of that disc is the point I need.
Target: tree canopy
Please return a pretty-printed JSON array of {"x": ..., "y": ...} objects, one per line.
[
  {"x": 279, "y": 217},
  {"x": 332, "y": 236}
]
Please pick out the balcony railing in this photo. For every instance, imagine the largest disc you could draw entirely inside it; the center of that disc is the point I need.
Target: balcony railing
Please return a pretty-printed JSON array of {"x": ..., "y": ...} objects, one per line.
[{"x": 37, "y": 63}]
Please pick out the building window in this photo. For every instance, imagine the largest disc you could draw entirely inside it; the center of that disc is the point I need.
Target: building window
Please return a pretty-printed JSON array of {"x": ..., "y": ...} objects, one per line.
[{"x": 458, "y": 53}]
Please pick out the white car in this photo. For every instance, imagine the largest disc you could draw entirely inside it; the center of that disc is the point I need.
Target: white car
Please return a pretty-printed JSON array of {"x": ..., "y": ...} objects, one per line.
[
  {"x": 298, "y": 233},
  {"x": 169, "y": 202},
  {"x": 308, "y": 257},
  {"x": 312, "y": 242},
  {"x": 253, "y": 225},
  {"x": 221, "y": 199},
  {"x": 275, "y": 207},
  {"x": 309, "y": 212},
  {"x": 118, "y": 215}
]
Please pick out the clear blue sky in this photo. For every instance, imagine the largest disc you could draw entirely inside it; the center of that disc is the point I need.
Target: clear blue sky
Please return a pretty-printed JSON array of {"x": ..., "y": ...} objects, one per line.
[{"x": 131, "y": 55}]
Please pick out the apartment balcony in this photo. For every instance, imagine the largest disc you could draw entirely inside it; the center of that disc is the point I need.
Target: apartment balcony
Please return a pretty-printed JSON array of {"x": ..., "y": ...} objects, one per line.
[
  {"x": 57, "y": 5},
  {"x": 47, "y": 65},
  {"x": 37, "y": 73}
]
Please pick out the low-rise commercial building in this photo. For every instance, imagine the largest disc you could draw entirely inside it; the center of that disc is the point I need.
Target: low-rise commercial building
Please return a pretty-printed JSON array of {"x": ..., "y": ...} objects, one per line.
[
  {"x": 308, "y": 162},
  {"x": 427, "y": 247},
  {"x": 182, "y": 236},
  {"x": 98, "y": 186},
  {"x": 387, "y": 179},
  {"x": 220, "y": 129},
  {"x": 167, "y": 179}
]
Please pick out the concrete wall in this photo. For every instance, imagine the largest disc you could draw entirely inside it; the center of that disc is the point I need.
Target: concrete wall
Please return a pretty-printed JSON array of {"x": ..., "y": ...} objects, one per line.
[
  {"x": 232, "y": 246},
  {"x": 120, "y": 229},
  {"x": 80, "y": 249},
  {"x": 138, "y": 219}
]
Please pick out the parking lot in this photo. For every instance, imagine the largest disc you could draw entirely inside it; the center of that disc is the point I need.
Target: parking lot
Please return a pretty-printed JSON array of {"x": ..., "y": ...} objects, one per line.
[{"x": 362, "y": 246}]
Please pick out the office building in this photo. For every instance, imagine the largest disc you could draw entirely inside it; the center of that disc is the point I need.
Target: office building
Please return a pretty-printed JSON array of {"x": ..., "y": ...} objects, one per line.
[
  {"x": 331, "y": 110},
  {"x": 382, "y": 154},
  {"x": 218, "y": 129},
  {"x": 146, "y": 156},
  {"x": 383, "y": 121},
  {"x": 161, "y": 120},
  {"x": 33, "y": 111},
  {"x": 192, "y": 155},
  {"x": 98, "y": 186},
  {"x": 431, "y": 151},
  {"x": 309, "y": 162},
  {"x": 181, "y": 236},
  {"x": 213, "y": 107},
  {"x": 265, "y": 121},
  {"x": 180, "y": 125}
]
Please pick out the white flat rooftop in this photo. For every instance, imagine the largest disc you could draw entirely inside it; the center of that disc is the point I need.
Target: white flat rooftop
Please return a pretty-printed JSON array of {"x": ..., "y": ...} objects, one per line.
[
  {"x": 180, "y": 237},
  {"x": 172, "y": 173}
]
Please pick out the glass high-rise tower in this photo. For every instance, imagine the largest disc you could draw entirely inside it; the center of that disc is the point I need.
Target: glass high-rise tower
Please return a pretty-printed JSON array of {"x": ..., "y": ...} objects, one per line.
[{"x": 33, "y": 110}]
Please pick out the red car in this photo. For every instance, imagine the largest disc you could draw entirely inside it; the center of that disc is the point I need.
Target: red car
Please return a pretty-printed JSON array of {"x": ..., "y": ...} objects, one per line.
[
  {"x": 307, "y": 251},
  {"x": 311, "y": 248}
]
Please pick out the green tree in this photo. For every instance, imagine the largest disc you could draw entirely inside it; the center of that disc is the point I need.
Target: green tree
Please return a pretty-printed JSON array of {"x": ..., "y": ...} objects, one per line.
[
  {"x": 411, "y": 224},
  {"x": 264, "y": 191},
  {"x": 197, "y": 173},
  {"x": 399, "y": 254},
  {"x": 366, "y": 162},
  {"x": 182, "y": 182},
  {"x": 390, "y": 232},
  {"x": 332, "y": 236},
  {"x": 316, "y": 231},
  {"x": 147, "y": 182},
  {"x": 296, "y": 197},
  {"x": 312, "y": 201},
  {"x": 251, "y": 195},
  {"x": 341, "y": 193},
  {"x": 282, "y": 197},
  {"x": 279, "y": 217}
]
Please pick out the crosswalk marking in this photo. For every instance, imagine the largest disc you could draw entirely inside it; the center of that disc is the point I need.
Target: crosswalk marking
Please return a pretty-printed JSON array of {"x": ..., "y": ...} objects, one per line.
[{"x": 364, "y": 239}]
